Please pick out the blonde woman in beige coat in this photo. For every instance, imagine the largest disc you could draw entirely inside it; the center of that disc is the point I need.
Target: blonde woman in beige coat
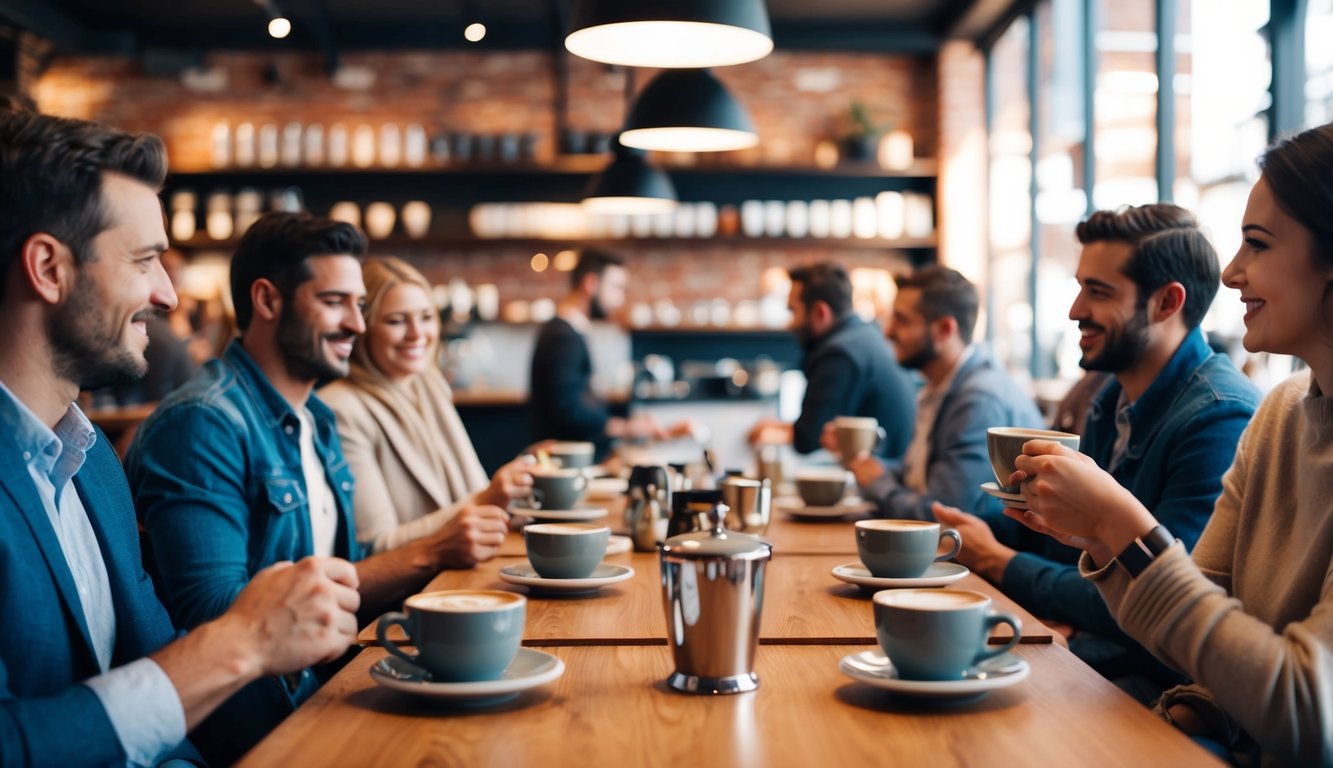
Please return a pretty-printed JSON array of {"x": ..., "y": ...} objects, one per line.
[{"x": 414, "y": 464}]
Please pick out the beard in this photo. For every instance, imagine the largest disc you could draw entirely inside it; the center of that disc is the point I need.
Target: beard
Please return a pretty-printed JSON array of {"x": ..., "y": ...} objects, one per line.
[
  {"x": 1122, "y": 348},
  {"x": 596, "y": 311},
  {"x": 87, "y": 346},
  {"x": 922, "y": 357},
  {"x": 302, "y": 348}
]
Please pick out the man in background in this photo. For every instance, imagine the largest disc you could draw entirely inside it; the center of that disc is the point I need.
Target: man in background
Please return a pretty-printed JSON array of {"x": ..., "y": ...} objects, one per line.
[
  {"x": 849, "y": 370},
  {"x": 966, "y": 392},
  {"x": 562, "y": 404}
]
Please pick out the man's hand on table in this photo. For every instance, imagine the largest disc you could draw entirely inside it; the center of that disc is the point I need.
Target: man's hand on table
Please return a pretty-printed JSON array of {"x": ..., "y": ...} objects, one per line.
[{"x": 982, "y": 553}]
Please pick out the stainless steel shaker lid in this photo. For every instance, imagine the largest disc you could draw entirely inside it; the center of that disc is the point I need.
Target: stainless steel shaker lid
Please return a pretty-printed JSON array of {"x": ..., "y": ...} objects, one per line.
[{"x": 717, "y": 543}]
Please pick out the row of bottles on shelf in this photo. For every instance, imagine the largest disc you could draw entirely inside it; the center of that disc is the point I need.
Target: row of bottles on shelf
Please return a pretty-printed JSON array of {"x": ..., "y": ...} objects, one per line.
[
  {"x": 298, "y": 145},
  {"x": 888, "y": 215}
]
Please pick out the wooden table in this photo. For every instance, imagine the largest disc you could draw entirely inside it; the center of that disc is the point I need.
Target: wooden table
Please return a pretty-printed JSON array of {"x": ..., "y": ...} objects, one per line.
[
  {"x": 610, "y": 708},
  {"x": 803, "y": 603}
]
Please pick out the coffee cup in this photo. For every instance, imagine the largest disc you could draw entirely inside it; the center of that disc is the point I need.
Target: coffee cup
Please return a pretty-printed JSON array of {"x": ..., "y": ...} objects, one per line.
[
  {"x": 1006, "y": 444},
  {"x": 821, "y": 486},
  {"x": 565, "y": 550},
  {"x": 857, "y": 434},
  {"x": 461, "y": 635},
  {"x": 555, "y": 488},
  {"x": 938, "y": 634},
  {"x": 571, "y": 455},
  {"x": 902, "y": 549}
]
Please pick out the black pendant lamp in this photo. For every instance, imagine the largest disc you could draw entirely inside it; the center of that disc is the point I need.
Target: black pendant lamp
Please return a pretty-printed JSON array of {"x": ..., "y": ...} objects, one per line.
[
  {"x": 688, "y": 110},
  {"x": 670, "y": 33},
  {"x": 630, "y": 184}
]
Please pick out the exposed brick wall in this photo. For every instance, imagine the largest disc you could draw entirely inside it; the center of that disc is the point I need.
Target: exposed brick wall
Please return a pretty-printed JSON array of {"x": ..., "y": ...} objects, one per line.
[{"x": 795, "y": 99}]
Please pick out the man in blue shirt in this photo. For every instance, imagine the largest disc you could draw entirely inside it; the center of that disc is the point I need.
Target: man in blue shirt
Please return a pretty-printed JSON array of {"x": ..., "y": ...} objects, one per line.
[
  {"x": 1165, "y": 427},
  {"x": 91, "y": 670},
  {"x": 966, "y": 391},
  {"x": 241, "y": 467}
]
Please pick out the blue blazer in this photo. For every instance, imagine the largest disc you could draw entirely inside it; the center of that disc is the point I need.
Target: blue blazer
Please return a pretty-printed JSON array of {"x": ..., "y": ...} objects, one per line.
[{"x": 45, "y": 650}]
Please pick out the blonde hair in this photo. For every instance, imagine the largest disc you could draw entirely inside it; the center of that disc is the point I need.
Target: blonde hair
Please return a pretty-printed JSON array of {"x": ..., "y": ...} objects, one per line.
[{"x": 382, "y": 274}]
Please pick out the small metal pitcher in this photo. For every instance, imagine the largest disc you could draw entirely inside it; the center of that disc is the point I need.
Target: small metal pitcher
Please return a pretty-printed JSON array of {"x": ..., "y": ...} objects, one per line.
[
  {"x": 649, "y": 506},
  {"x": 750, "y": 503},
  {"x": 690, "y": 511},
  {"x": 713, "y": 593}
]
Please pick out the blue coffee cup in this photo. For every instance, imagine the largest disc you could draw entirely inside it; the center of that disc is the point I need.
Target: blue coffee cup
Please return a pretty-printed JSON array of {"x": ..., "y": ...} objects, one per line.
[
  {"x": 938, "y": 634},
  {"x": 461, "y": 635}
]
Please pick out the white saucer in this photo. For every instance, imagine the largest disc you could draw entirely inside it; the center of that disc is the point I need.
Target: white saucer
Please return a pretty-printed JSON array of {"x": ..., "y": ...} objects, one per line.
[
  {"x": 851, "y": 505},
  {"x": 559, "y": 515},
  {"x": 618, "y": 544},
  {"x": 874, "y": 668},
  {"x": 606, "y": 488},
  {"x": 1015, "y": 500},
  {"x": 604, "y": 574},
  {"x": 529, "y": 669},
  {"x": 937, "y": 575}
]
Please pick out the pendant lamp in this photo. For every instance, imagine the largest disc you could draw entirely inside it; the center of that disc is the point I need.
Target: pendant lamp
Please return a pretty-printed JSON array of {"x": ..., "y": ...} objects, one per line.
[
  {"x": 670, "y": 33},
  {"x": 688, "y": 110},
  {"x": 630, "y": 184}
]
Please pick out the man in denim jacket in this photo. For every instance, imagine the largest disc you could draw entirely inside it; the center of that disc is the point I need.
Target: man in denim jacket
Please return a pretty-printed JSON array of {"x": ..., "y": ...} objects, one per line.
[
  {"x": 241, "y": 466},
  {"x": 1165, "y": 427}
]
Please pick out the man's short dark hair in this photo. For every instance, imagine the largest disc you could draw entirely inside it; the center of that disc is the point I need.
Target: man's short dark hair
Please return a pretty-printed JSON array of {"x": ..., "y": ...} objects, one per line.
[
  {"x": 827, "y": 282},
  {"x": 1168, "y": 247},
  {"x": 276, "y": 248},
  {"x": 593, "y": 261},
  {"x": 945, "y": 293},
  {"x": 51, "y": 171}
]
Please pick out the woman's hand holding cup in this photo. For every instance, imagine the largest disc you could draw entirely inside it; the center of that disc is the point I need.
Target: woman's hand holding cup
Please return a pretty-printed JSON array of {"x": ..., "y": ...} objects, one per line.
[{"x": 1073, "y": 500}]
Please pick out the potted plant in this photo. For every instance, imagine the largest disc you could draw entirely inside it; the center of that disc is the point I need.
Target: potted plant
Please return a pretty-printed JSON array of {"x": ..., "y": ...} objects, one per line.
[{"x": 861, "y": 139}]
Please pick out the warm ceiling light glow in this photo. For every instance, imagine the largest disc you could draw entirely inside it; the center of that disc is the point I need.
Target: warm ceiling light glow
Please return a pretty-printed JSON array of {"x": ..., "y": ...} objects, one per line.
[
  {"x": 279, "y": 27},
  {"x": 539, "y": 262},
  {"x": 474, "y": 32},
  {"x": 689, "y": 139},
  {"x": 669, "y": 44}
]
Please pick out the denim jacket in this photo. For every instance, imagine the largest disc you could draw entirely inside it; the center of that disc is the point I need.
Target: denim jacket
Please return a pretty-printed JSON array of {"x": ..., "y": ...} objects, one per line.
[
  {"x": 219, "y": 488},
  {"x": 1183, "y": 435}
]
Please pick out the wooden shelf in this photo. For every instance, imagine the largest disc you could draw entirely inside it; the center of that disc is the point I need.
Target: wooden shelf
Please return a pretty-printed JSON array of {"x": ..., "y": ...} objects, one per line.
[{"x": 545, "y": 244}]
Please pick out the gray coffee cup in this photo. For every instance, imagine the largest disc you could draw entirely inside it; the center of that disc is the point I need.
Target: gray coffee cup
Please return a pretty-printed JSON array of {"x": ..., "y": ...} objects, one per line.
[
  {"x": 821, "y": 486},
  {"x": 461, "y": 635},
  {"x": 1006, "y": 444},
  {"x": 554, "y": 488},
  {"x": 857, "y": 434},
  {"x": 938, "y": 634},
  {"x": 565, "y": 550},
  {"x": 902, "y": 549},
  {"x": 571, "y": 455}
]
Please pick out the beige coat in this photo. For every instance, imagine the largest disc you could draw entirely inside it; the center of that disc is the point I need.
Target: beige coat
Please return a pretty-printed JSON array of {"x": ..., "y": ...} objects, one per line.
[{"x": 410, "y": 478}]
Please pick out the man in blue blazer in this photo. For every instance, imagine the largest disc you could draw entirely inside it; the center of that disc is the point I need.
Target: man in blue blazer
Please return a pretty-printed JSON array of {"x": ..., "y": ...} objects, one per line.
[{"x": 91, "y": 672}]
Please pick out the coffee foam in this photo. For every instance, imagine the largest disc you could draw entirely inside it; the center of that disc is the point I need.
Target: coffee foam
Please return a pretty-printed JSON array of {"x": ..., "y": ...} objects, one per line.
[
  {"x": 570, "y": 448},
  {"x": 566, "y": 529},
  {"x": 856, "y": 422},
  {"x": 1033, "y": 434},
  {"x": 828, "y": 474},
  {"x": 930, "y": 599},
  {"x": 540, "y": 471},
  {"x": 461, "y": 601},
  {"x": 895, "y": 525}
]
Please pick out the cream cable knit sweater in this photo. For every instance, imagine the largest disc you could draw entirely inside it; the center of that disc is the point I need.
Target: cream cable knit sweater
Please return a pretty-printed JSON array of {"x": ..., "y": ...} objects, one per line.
[{"x": 1250, "y": 620}]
